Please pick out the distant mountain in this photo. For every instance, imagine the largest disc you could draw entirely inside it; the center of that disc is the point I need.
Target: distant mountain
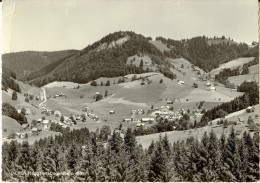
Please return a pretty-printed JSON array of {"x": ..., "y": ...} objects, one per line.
[
  {"x": 105, "y": 58},
  {"x": 23, "y": 63}
]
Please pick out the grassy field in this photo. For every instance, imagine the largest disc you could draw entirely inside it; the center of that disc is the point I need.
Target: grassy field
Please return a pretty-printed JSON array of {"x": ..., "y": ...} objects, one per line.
[
  {"x": 254, "y": 69},
  {"x": 159, "y": 45},
  {"x": 231, "y": 64},
  {"x": 9, "y": 125},
  {"x": 237, "y": 80},
  {"x": 175, "y": 136}
]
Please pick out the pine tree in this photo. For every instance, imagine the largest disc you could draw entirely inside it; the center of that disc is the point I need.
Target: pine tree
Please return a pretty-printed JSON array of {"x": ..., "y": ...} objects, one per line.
[
  {"x": 108, "y": 83},
  {"x": 106, "y": 93},
  {"x": 14, "y": 95},
  {"x": 115, "y": 142},
  {"x": 129, "y": 140},
  {"x": 158, "y": 171},
  {"x": 23, "y": 161},
  {"x": 141, "y": 63}
]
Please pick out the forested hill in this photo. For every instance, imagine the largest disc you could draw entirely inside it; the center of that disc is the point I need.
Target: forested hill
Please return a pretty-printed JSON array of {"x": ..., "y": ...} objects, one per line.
[
  {"x": 204, "y": 55},
  {"x": 8, "y": 80},
  {"x": 23, "y": 63},
  {"x": 105, "y": 58}
]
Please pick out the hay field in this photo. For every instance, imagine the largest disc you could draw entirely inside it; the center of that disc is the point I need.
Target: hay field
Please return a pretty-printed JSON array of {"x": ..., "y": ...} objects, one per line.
[
  {"x": 232, "y": 64},
  {"x": 9, "y": 125}
]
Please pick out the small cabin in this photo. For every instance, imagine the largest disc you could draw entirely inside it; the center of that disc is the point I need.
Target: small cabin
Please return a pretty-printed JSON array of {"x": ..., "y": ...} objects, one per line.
[
  {"x": 250, "y": 109},
  {"x": 126, "y": 120},
  {"x": 145, "y": 120},
  {"x": 181, "y": 82},
  {"x": 112, "y": 112}
]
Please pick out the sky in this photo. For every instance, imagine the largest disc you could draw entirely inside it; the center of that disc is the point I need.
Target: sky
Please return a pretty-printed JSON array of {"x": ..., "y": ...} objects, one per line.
[{"x": 52, "y": 25}]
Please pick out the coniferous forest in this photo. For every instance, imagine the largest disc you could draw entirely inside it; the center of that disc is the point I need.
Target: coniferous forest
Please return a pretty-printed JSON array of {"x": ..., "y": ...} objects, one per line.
[{"x": 79, "y": 155}]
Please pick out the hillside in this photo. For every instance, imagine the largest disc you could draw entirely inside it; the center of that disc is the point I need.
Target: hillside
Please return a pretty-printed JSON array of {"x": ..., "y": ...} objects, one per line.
[
  {"x": 221, "y": 41},
  {"x": 236, "y": 63},
  {"x": 109, "y": 57},
  {"x": 23, "y": 63},
  {"x": 202, "y": 54},
  {"x": 104, "y": 58}
]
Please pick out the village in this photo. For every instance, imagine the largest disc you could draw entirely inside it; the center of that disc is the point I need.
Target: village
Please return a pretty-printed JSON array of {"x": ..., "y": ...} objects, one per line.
[{"x": 139, "y": 117}]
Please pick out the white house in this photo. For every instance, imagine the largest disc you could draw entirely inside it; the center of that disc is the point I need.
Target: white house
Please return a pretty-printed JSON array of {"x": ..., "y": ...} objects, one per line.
[
  {"x": 112, "y": 112},
  {"x": 147, "y": 120},
  {"x": 181, "y": 83},
  {"x": 212, "y": 88},
  {"x": 126, "y": 120}
]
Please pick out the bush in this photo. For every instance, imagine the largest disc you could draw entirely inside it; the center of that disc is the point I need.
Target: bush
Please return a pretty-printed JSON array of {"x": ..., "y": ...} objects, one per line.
[
  {"x": 31, "y": 97},
  {"x": 161, "y": 81},
  {"x": 14, "y": 95},
  {"x": 195, "y": 85},
  {"x": 99, "y": 97},
  {"x": 108, "y": 83},
  {"x": 93, "y": 83}
]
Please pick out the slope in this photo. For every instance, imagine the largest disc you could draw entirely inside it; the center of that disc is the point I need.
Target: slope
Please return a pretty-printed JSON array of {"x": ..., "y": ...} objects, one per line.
[
  {"x": 23, "y": 63},
  {"x": 93, "y": 62}
]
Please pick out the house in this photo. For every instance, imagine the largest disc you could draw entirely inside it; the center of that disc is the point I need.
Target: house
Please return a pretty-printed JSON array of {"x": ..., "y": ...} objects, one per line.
[
  {"x": 19, "y": 110},
  {"x": 250, "y": 109},
  {"x": 39, "y": 120},
  {"x": 111, "y": 112},
  {"x": 126, "y": 120},
  {"x": 169, "y": 102},
  {"x": 57, "y": 113},
  {"x": 208, "y": 84},
  {"x": 140, "y": 124},
  {"x": 35, "y": 131},
  {"x": 97, "y": 93},
  {"x": 26, "y": 111},
  {"x": 211, "y": 88},
  {"x": 46, "y": 124},
  {"x": 181, "y": 83},
  {"x": 78, "y": 117},
  {"x": 145, "y": 120}
]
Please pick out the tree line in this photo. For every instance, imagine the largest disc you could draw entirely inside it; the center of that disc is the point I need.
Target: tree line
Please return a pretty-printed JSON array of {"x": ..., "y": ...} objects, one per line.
[
  {"x": 249, "y": 98},
  {"x": 83, "y": 158}
]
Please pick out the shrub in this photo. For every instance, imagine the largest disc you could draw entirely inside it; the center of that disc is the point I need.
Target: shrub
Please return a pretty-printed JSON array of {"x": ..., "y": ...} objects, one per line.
[
  {"x": 93, "y": 83},
  {"x": 108, "y": 83},
  {"x": 14, "y": 95}
]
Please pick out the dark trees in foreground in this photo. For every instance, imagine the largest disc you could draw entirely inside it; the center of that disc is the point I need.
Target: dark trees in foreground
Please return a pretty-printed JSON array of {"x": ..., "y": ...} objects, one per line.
[{"x": 81, "y": 154}]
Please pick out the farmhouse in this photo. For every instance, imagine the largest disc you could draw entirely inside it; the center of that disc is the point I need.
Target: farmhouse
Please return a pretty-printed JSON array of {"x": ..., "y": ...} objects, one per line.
[
  {"x": 250, "y": 109},
  {"x": 35, "y": 131},
  {"x": 140, "y": 124},
  {"x": 126, "y": 120},
  {"x": 180, "y": 83},
  {"x": 46, "y": 124},
  {"x": 111, "y": 112},
  {"x": 208, "y": 84},
  {"x": 169, "y": 102},
  {"x": 145, "y": 120},
  {"x": 212, "y": 88},
  {"x": 39, "y": 120}
]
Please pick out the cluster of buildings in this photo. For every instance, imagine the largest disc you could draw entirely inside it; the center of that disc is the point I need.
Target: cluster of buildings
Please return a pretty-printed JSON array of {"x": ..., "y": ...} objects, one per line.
[
  {"x": 59, "y": 95},
  {"x": 210, "y": 87}
]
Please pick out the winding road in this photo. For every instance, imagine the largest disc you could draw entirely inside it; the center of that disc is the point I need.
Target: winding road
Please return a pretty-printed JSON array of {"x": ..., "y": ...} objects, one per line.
[{"x": 44, "y": 96}]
